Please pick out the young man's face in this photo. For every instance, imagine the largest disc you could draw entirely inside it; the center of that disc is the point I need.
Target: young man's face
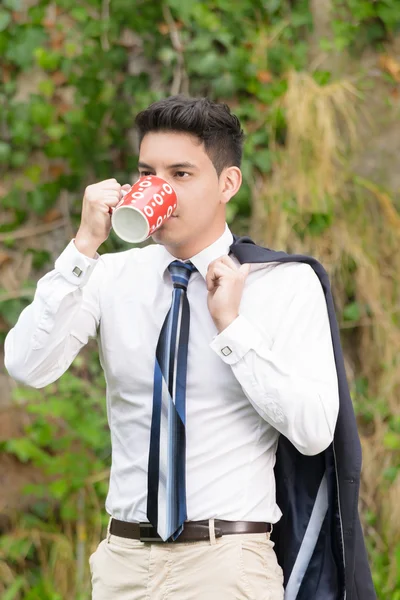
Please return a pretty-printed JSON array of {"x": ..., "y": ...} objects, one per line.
[{"x": 182, "y": 161}]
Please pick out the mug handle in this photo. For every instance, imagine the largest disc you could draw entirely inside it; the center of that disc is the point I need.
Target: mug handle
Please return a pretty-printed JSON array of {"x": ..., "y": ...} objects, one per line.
[{"x": 111, "y": 208}]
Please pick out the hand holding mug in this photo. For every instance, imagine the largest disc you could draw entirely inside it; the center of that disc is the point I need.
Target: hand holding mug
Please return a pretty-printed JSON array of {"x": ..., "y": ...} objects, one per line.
[{"x": 95, "y": 223}]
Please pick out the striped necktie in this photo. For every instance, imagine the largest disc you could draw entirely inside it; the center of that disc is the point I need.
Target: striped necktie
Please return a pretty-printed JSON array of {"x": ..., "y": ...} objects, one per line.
[{"x": 166, "y": 494}]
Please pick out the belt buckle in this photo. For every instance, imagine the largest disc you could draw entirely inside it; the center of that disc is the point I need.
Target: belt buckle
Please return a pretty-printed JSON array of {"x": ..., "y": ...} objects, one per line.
[{"x": 147, "y": 538}]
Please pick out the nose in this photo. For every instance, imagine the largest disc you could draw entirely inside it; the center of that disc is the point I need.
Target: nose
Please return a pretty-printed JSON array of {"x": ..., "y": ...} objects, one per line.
[{"x": 166, "y": 176}]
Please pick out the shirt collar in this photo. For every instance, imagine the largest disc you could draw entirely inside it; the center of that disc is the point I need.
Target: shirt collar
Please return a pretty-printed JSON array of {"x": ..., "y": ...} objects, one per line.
[{"x": 202, "y": 260}]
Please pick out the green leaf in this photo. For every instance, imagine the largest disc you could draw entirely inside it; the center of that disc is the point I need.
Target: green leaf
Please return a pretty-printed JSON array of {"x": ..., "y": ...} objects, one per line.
[
  {"x": 301, "y": 19},
  {"x": 318, "y": 223},
  {"x": 36, "y": 201},
  {"x": 13, "y": 591},
  {"x": 18, "y": 159},
  {"x": 23, "y": 448},
  {"x": 391, "y": 473},
  {"x": 75, "y": 116},
  {"x": 80, "y": 14},
  {"x": 47, "y": 88},
  {"x": 262, "y": 159},
  {"x": 5, "y": 151},
  {"x": 56, "y": 131},
  {"x": 42, "y": 113},
  {"x": 272, "y": 6},
  {"x": 391, "y": 441},
  {"x": 21, "y": 51},
  {"x": 352, "y": 312},
  {"x": 40, "y": 258},
  {"x": 16, "y": 547},
  {"x": 5, "y": 19},
  {"x": 47, "y": 59},
  {"x": 11, "y": 309},
  {"x": 59, "y": 488},
  {"x": 183, "y": 8},
  {"x": 34, "y": 173},
  {"x": 71, "y": 49},
  {"x": 13, "y": 4}
]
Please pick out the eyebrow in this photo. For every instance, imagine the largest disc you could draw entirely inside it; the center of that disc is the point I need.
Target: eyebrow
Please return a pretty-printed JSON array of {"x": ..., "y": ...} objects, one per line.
[{"x": 181, "y": 165}]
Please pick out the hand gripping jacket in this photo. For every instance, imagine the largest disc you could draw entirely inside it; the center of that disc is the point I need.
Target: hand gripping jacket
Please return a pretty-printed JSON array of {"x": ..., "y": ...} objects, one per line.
[{"x": 319, "y": 541}]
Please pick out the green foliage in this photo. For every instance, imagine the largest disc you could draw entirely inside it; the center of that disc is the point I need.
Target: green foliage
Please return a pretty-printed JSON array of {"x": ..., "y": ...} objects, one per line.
[
  {"x": 68, "y": 440},
  {"x": 362, "y": 23},
  {"x": 90, "y": 84}
]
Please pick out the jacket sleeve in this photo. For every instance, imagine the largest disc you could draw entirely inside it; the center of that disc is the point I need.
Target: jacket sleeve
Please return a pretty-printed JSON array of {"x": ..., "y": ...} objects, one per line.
[
  {"x": 290, "y": 380},
  {"x": 63, "y": 316}
]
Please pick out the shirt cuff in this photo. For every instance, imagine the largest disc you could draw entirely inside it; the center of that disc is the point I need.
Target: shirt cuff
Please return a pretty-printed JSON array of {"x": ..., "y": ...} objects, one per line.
[
  {"x": 74, "y": 266},
  {"x": 236, "y": 340}
]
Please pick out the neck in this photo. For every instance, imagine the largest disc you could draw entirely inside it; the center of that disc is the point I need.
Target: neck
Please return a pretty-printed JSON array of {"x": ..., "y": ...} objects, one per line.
[{"x": 186, "y": 251}]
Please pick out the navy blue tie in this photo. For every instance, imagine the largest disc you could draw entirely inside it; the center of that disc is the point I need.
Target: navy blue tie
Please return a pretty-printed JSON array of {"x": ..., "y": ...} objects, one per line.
[{"x": 166, "y": 494}]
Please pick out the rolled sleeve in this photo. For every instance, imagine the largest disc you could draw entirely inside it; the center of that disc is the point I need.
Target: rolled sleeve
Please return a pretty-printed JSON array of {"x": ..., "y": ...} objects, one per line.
[
  {"x": 74, "y": 266},
  {"x": 233, "y": 343}
]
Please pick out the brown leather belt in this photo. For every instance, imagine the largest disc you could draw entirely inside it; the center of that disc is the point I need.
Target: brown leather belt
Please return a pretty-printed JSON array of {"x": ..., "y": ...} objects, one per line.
[{"x": 193, "y": 531}]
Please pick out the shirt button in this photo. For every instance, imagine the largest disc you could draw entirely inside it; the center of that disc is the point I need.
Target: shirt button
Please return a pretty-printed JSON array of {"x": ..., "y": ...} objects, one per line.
[
  {"x": 226, "y": 351},
  {"x": 77, "y": 271}
]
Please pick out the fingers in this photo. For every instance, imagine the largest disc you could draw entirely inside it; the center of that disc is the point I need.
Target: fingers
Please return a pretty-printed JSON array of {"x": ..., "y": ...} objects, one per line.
[
  {"x": 108, "y": 182},
  {"x": 216, "y": 272},
  {"x": 110, "y": 188},
  {"x": 109, "y": 185},
  {"x": 224, "y": 267},
  {"x": 111, "y": 199},
  {"x": 225, "y": 260}
]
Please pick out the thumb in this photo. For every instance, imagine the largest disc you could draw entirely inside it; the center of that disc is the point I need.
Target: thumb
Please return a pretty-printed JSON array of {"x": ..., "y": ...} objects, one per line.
[{"x": 245, "y": 269}]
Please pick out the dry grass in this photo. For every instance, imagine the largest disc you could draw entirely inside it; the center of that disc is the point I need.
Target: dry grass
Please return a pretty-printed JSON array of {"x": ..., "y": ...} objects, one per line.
[
  {"x": 360, "y": 249},
  {"x": 314, "y": 150}
]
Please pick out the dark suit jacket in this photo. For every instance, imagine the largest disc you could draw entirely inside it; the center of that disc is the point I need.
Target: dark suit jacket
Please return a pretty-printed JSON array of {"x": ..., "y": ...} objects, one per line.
[{"x": 319, "y": 540}]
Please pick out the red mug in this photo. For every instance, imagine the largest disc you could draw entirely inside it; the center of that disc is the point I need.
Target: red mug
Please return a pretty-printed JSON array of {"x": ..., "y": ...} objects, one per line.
[{"x": 143, "y": 209}]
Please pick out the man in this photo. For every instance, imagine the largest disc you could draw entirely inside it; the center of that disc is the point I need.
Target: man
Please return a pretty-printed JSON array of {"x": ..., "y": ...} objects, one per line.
[{"x": 196, "y": 443}]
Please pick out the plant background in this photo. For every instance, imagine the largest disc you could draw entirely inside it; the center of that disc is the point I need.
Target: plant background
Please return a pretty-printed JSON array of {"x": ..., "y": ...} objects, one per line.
[{"x": 316, "y": 84}]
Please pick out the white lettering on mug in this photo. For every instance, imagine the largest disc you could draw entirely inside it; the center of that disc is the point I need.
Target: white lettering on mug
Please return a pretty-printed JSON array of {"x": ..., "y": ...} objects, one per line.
[
  {"x": 159, "y": 199},
  {"x": 159, "y": 221},
  {"x": 145, "y": 183},
  {"x": 149, "y": 211},
  {"x": 169, "y": 211},
  {"x": 167, "y": 188},
  {"x": 137, "y": 195}
]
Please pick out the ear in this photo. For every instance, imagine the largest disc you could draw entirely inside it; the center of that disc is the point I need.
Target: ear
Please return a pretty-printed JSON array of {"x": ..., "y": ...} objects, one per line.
[{"x": 230, "y": 182}]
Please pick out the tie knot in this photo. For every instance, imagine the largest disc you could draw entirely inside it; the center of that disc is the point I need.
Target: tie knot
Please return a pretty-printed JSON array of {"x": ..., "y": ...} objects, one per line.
[{"x": 180, "y": 273}]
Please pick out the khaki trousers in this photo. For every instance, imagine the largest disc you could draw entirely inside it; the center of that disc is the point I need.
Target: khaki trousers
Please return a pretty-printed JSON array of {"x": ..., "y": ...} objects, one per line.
[{"x": 233, "y": 567}]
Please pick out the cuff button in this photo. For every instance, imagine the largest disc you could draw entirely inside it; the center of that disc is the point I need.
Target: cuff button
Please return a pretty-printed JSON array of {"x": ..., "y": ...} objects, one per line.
[
  {"x": 226, "y": 351},
  {"x": 77, "y": 271}
]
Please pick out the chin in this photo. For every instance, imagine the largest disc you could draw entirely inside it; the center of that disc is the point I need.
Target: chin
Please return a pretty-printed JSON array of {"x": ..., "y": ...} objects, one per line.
[{"x": 166, "y": 236}]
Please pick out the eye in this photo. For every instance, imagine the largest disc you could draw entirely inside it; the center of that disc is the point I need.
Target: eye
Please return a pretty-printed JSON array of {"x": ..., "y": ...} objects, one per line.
[
  {"x": 145, "y": 173},
  {"x": 181, "y": 174}
]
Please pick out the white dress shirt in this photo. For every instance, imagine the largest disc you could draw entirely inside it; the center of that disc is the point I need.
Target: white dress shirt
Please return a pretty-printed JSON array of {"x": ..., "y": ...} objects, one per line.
[{"x": 271, "y": 371}]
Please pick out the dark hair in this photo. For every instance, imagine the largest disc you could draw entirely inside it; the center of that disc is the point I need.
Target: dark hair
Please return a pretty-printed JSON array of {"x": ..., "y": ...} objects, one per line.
[{"x": 211, "y": 122}]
